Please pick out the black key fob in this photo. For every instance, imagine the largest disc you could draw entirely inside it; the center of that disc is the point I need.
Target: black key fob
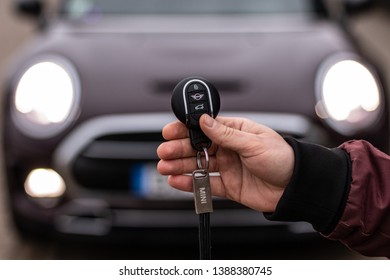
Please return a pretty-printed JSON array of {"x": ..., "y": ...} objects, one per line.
[{"x": 191, "y": 98}]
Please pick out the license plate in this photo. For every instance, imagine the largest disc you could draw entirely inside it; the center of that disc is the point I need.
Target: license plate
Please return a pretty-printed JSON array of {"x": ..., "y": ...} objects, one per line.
[{"x": 146, "y": 182}]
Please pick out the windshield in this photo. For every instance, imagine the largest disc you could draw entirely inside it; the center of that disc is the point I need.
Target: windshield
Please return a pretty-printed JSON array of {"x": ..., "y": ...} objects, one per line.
[{"x": 80, "y": 8}]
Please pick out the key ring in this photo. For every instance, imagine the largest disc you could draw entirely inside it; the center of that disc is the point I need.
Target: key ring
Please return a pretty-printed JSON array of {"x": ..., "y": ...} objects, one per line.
[{"x": 199, "y": 161}]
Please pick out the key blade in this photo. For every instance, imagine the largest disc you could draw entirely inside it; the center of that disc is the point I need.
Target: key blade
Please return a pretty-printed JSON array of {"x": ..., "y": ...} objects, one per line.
[{"x": 202, "y": 191}]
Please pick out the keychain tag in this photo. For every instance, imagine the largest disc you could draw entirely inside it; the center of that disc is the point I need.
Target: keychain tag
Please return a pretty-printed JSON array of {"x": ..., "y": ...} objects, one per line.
[{"x": 202, "y": 191}]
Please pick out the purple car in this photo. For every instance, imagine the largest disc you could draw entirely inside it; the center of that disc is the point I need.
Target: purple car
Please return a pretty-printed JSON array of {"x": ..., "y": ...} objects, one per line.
[{"x": 86, "y": 100}]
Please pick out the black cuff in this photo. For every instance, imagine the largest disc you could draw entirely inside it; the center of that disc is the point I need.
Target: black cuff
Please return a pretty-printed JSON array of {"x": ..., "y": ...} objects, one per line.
[{"x": 318, "y": 189}]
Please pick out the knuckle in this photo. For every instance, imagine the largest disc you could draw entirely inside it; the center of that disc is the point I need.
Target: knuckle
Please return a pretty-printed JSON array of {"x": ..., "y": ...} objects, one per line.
[{"x": 227, "y": 134}]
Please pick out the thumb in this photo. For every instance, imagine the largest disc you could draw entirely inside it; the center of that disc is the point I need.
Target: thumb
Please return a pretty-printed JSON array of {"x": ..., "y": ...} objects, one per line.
[{"x": 223, "y": 135}]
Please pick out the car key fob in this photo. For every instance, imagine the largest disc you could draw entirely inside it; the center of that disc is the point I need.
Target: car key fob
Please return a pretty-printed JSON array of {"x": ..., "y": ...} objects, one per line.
[{"x": 191, "y": 98}]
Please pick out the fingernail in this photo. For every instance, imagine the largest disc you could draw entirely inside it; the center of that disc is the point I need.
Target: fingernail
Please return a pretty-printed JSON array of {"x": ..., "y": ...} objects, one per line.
[{"x": 208, "y": 121}]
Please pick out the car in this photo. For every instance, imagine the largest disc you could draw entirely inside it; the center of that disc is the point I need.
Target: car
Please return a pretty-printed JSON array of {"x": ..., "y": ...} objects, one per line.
[{"x": 85, "y": 102}]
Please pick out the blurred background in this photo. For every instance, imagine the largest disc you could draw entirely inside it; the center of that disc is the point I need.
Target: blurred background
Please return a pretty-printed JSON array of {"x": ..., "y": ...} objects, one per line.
[{"x": 371, "y": 28}]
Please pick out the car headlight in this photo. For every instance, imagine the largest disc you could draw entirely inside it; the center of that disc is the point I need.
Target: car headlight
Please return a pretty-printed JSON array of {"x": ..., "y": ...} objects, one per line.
[
  {"x": 46, "y": 97},
  {"x": 349, "y": 96}
]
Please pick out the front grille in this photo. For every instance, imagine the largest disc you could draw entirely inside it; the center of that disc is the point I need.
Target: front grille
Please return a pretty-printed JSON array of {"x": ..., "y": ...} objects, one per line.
[{"x": 110, "y": 162}]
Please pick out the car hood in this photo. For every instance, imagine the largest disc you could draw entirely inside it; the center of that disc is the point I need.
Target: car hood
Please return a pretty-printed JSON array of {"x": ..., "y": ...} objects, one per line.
[{"x": 130, "y": 65}]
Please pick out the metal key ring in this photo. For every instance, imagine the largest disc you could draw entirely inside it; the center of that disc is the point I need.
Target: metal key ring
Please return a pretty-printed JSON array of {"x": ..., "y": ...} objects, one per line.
[{"x": 199, "y": 161}]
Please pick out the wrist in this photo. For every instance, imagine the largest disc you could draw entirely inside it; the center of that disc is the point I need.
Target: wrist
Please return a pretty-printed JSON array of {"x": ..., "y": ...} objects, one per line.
[{"x": 318, "y": 186}]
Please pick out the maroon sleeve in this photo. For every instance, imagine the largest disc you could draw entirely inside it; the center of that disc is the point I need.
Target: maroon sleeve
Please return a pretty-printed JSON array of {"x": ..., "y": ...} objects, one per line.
[{"x": 365, "y": 222}]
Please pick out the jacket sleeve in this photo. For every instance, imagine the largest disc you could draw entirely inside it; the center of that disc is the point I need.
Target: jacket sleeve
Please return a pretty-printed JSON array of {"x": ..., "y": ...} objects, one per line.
[
  {"x": 365, "y": 223},
  {"x": 344, "y": 193}
]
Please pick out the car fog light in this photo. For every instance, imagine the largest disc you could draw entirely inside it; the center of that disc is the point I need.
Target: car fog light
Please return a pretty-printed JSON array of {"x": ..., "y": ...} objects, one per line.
[{"x": 44, "y": 183}]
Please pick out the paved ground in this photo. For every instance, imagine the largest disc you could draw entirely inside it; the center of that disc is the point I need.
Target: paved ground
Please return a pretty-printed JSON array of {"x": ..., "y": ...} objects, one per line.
[{"x": 372, "y": 30}]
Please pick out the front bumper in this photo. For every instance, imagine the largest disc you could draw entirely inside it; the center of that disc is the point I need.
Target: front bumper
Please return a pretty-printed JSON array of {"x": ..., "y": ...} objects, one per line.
[{"x": 94, "y": 161}]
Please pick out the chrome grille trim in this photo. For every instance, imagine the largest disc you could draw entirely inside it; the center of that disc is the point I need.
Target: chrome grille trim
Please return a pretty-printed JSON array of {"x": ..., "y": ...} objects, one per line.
[{"x": 122, "y": 150}]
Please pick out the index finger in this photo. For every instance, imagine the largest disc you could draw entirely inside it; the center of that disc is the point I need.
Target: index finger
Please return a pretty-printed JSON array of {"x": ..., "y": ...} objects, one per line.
[{"x": 175, "y": 130}]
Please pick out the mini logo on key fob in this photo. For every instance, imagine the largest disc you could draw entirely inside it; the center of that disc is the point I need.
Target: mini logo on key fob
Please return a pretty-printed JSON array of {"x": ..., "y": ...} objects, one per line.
[{"x": 197, "y": 96}]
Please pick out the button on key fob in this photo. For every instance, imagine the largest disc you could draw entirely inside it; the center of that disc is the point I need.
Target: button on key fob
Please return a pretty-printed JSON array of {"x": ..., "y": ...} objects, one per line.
[{"x": 191, "y": 98}]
